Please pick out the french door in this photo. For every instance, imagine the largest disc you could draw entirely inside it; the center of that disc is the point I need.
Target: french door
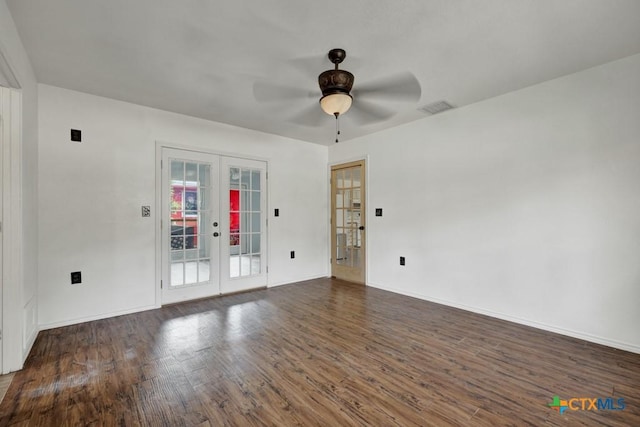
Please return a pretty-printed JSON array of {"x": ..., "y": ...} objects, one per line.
[
  {"x": 348, "y": 260},
  {"x": 243, "y": 247},
  {"x": 213, "y": 225}
]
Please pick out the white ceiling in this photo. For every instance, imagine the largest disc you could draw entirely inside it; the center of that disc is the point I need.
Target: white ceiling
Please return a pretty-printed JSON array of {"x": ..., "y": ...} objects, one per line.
[{"x": 203, "y": 57}]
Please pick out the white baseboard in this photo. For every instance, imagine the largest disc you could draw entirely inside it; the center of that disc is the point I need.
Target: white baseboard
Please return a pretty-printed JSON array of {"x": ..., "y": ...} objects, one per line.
[
  {"x": 273, "y": 285},
  {"x": 29, "y": 326},
  {"x": 45, "y": 326},
  {"x": 534, "y": 324},
  {"x": 28, "y": 345}
]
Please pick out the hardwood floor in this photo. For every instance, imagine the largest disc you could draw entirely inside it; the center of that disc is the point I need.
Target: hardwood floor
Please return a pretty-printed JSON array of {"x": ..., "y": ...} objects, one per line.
[
  {"x": 5, "y": 380},
  {"x": 321, "y": 352}
]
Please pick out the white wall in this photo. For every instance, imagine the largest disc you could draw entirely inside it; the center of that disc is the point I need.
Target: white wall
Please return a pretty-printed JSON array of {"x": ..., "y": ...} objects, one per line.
[
  {"x": 524, "y": 207},
  {"x": 90, "y": 195},
  {"x": 20, "y": 321}
]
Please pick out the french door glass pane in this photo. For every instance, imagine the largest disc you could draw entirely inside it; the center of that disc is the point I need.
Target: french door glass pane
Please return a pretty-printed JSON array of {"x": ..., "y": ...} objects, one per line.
[
  {"x": 205, "y": 176},
  {"x": 255, "y": 201},
  {"x": 234, "y": 262},
  {"x": 340, "y": 217},
  {"x": 177, "y": 273},
  {"x": 356, "y": 177},
  {"x": 347, "y": 179},
  {"x": 255, "y": 222},
  {"x": 190, "y": 212},
  {"x": 255, "y": 243},
  {"x": 255, "y": 180},
  {"x": 339, "y": 179},
  {"x": 203, "y": 270},
  {"x": 255, "y": 264},
  {"x": 234, "y": 177},
  {"x": 246, "y": 178},
  {"x": 347, "y": 198}
]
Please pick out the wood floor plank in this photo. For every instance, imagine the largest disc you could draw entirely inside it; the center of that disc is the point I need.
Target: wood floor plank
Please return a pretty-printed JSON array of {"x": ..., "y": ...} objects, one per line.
[{"x": 322, "y": 352}]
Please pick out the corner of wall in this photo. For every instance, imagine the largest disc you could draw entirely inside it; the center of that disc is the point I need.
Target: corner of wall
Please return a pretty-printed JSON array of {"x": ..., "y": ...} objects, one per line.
[{"x": 30, "y": 326}]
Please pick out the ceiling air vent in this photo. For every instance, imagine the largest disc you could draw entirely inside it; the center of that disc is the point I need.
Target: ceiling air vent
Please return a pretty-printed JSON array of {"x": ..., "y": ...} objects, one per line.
[{"x": 436, "y": 107}]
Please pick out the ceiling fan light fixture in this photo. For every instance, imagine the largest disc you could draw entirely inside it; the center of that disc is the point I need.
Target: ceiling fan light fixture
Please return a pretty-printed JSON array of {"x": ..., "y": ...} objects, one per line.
[
  {"x": 335, "y": 104},
  {"x": 335, "y": 86}
]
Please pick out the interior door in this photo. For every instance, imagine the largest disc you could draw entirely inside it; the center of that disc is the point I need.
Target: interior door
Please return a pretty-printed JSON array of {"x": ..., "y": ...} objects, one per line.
[
  {"x": 244, "y": 224},
  {"x": 348, "y": 256},
  {"x": 190, "y": 225}
]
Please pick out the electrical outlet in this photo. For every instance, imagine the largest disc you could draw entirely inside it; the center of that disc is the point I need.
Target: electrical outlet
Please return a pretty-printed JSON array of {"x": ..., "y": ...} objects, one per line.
[
  {"x": 76, "y": 135},
  {"x": 146, "y": 211},
  {"x": 76, "y": 277},
  {"x": 401, "y": 260},
  {"x": 293, "y": 254},
  {"x": 378, "y": 211}
]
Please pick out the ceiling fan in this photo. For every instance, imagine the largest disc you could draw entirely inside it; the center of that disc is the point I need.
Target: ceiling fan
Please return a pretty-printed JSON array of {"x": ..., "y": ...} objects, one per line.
[{"x": 339, "y": 95}]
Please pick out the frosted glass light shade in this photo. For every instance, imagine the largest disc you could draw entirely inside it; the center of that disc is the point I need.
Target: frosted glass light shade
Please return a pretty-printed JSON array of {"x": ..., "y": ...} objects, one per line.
[{"x": 336, "y": 103}]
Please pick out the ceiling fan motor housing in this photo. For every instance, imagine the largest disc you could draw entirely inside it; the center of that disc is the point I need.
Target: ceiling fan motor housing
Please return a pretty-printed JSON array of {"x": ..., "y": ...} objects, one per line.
[{"x": 335, "y": 81}]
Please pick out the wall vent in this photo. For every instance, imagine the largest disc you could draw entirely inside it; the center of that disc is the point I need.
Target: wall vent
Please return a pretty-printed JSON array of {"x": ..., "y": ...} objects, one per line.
[{"x": 436, "y": 107}]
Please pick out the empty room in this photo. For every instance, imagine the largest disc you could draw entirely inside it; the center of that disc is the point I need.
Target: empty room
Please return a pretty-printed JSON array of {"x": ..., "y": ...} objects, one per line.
[{"x": 416, "y": 213}]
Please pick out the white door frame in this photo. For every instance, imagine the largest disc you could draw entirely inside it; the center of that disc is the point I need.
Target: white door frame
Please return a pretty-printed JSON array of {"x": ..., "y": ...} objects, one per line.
[{"x": 11, "y": 322}]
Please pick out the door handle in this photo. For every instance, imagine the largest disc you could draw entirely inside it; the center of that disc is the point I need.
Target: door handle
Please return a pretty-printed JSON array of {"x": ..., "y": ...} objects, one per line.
[
  {"x": 361, "y": 227},
  {"x": 216, "y": 234}
]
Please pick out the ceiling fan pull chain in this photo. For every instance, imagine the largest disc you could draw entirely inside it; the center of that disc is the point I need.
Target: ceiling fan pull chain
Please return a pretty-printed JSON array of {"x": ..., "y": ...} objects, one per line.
[{"x": 337, "y": 126}]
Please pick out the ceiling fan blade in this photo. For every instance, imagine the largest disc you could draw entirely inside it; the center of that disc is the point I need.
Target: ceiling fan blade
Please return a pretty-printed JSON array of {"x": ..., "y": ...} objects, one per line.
[
  {"x": 402, "y": 87},
  {"x": 365, "y": 112},
  {"x": 270, "y": 92},
  {"x": 311, "y": 116}
]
